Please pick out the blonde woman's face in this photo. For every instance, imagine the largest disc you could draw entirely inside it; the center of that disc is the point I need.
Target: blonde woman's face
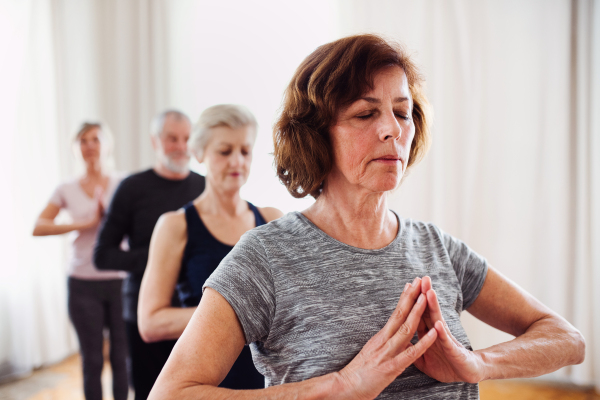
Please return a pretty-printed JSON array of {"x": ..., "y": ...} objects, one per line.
[
  {"x": 91, "y": 145},
  {"x": 228, "y": 157}
]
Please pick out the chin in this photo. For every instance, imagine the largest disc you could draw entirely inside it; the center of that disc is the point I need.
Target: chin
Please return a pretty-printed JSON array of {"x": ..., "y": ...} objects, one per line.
[
  {"x": 232, "y": 188},
  {"x": 384, "y": 183},
  {"x": 177, "y": 169}
]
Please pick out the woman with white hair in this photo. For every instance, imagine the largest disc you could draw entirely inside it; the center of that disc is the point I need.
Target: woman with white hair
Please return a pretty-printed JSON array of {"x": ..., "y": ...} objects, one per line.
[
  {"x": 94, "y": 297},
  {"x": 187, "y": 245}
]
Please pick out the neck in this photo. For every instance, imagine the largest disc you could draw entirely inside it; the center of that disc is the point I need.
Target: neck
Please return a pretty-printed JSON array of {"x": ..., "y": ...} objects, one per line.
[
  {"x": 219, "y": 202},
  {"x": 93, "y": 170},
  {"x": 354, "y": 216},
  {"x": 166, "y": 173}
]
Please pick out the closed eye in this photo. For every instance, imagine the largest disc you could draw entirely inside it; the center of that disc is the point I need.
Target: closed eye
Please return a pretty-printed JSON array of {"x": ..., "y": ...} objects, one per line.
[{"x": 365, "y": 116}]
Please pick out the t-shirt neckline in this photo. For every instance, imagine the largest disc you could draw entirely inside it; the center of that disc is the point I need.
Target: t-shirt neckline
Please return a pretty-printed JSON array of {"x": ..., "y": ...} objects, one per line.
[
  {"x": 87, "y": 196},
  {"x": 318, "y": 231}
]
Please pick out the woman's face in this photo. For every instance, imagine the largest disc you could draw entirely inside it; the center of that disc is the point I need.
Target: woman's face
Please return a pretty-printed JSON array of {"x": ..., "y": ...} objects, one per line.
[
  {"x": 371, "y": 138},
  {"x": 228, "y": 156},
  {"x": 90, "y": 145}
]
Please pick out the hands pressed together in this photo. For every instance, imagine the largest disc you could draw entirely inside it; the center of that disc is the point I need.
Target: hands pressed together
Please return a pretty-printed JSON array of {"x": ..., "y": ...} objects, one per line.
[
  {"x": 97, "y": 217},
  {"x": 387, "y": 354}
]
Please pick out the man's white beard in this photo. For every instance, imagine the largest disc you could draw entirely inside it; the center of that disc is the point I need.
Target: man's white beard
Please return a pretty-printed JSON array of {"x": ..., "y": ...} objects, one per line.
[
  {"x": 177, "y": 168},
  {"x": 173, "y": 166}
]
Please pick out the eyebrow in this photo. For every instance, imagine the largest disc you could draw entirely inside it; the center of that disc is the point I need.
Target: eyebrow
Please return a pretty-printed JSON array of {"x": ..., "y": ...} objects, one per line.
[
  {"x": 377, "y": 101},
  {"x": 228, "y": 144}
]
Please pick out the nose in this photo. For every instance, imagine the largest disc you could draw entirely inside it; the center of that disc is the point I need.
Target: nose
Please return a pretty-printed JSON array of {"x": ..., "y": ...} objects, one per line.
[
  {"x": 182, "y": 145},
  {"x": 390, "y": 128},
  {"x": 236, "y": 159}
]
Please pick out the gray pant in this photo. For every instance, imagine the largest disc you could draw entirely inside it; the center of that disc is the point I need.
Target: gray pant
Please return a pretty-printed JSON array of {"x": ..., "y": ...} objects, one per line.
[{"x": 94, "y": 305}]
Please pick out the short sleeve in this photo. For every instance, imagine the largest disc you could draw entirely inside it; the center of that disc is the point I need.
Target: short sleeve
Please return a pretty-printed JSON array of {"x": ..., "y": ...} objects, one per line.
[
  {"x": 58, "y": 197},
  {"x": 470, "y": 268},
  {"x": 244, "y": 279}
]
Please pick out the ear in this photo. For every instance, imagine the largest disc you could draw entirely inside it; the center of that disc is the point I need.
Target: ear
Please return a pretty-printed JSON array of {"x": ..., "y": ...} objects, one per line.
[{"x": 154, "y": 140}]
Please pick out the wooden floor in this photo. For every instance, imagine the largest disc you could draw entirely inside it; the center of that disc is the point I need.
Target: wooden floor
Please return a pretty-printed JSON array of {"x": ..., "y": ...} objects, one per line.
[{"x": 63, "y": 382}]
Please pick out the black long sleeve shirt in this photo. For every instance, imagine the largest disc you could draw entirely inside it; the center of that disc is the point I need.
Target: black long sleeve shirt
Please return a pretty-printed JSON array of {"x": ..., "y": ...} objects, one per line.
[{"x": 137, "y": 204}]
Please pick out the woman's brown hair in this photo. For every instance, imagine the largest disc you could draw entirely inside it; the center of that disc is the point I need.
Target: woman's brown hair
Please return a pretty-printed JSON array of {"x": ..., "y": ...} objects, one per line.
[{"x": 333, "y": 76}]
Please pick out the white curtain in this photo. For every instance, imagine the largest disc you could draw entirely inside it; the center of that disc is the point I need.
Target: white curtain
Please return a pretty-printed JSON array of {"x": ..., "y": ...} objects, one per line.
[
  {"x": 585, "y": 131},
  {"x": 513, "y": 170},
  {"x": 34, "y": 325}
]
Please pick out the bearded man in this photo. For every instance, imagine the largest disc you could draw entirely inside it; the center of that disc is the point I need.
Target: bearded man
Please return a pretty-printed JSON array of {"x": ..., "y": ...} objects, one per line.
[{"x": 136, "y": 206}]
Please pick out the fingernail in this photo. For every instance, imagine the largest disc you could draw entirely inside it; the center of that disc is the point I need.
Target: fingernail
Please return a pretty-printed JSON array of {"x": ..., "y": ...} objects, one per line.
[
  {"x": 431, "y": 332},
  {"x": 406, "y": 286},
  {"x": 415, "y": 281},
  {"x": 421, "y": 298}
]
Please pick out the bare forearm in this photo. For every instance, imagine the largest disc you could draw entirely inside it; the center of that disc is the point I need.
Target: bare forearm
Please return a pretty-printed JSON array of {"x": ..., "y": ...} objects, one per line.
[
  {"x": 164, "y": 324},
  {"x": 47, "y": 228},
  {"x": 546, "y": 346},
  {"x": 323, "y": 387}
]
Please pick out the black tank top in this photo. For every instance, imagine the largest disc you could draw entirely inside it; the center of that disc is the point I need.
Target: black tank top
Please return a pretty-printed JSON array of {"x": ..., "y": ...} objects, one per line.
[{"x": 201, "y": 256}]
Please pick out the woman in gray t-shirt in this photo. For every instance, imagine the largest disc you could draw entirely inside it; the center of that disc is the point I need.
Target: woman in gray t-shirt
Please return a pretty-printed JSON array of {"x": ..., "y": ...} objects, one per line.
[{"x": 315, "y": 294}]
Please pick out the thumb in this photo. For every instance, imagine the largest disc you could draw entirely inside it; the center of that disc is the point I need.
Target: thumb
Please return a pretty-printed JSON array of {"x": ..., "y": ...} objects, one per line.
[{"x": 98, "y": 192}]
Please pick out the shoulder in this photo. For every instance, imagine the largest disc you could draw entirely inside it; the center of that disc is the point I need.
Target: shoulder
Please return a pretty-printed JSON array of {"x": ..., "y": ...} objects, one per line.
[
  {"x": 69, "y": 183},
  {"x": 195, "y": 178},
  {"x": 413, "y": 227},
  {"x": 195, "y": 175},
  {"x": 116, "y": 177},
  {"x": 138, "y": 177},
  {"x": 114, "y": 180},
  {"x": 67, "y": 186},
  {"x": 285, "y": 229},
  {"x": 270, "y": 213},
  {"x": 133, "y": 185},
  {"x": 424, "y": 234},
  {"x": 172, "y": 224}
]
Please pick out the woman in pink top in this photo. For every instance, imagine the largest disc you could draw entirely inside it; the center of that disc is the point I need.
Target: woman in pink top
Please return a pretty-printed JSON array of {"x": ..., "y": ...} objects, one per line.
[{"x": 94, "y": 296}]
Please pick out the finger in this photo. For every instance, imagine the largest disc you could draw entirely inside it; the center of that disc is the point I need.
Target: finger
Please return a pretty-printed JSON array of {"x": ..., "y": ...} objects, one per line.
[
  {"x": 426, "y": 284},
  {"x": 412, "y": 353},
  {"x": 406, "y": 331},
  {"x": 422, "y": 328},
  {"x": 449, "y": 333},
  {"x": 405, "y": 304},
  {"x": 446, "y": 339},
  {"x": 435, "y": 311}
]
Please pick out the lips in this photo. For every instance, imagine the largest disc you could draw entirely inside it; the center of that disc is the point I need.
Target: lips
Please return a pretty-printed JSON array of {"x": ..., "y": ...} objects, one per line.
[{"x": 388, "y": 158}]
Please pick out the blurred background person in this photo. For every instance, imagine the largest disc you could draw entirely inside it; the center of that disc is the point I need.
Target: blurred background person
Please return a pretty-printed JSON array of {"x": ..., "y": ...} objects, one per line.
[
  {"x": 188, "y": 244},
  {"x": 94, "y": 297},
  {"x": 138, "y": 203}
]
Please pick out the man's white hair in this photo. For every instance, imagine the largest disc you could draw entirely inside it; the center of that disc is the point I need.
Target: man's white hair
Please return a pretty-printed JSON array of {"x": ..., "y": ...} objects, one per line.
[
  {"x": 230, "y": 115},
  {"x": 158, "y": 122}
]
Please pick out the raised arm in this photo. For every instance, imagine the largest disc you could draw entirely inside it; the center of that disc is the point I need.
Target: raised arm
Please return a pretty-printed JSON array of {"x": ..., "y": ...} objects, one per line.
[
  {"x": 544, "y": 340},
  {"x": 45, "y": 225},
  {"x": 108, "y": 254},
  {"x": 214, "y": 338},
  {"x": 157, "y": 320}
]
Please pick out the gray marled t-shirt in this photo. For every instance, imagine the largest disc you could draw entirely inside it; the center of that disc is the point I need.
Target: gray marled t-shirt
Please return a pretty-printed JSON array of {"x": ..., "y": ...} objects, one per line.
[{"x": 308, "y": 303}]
